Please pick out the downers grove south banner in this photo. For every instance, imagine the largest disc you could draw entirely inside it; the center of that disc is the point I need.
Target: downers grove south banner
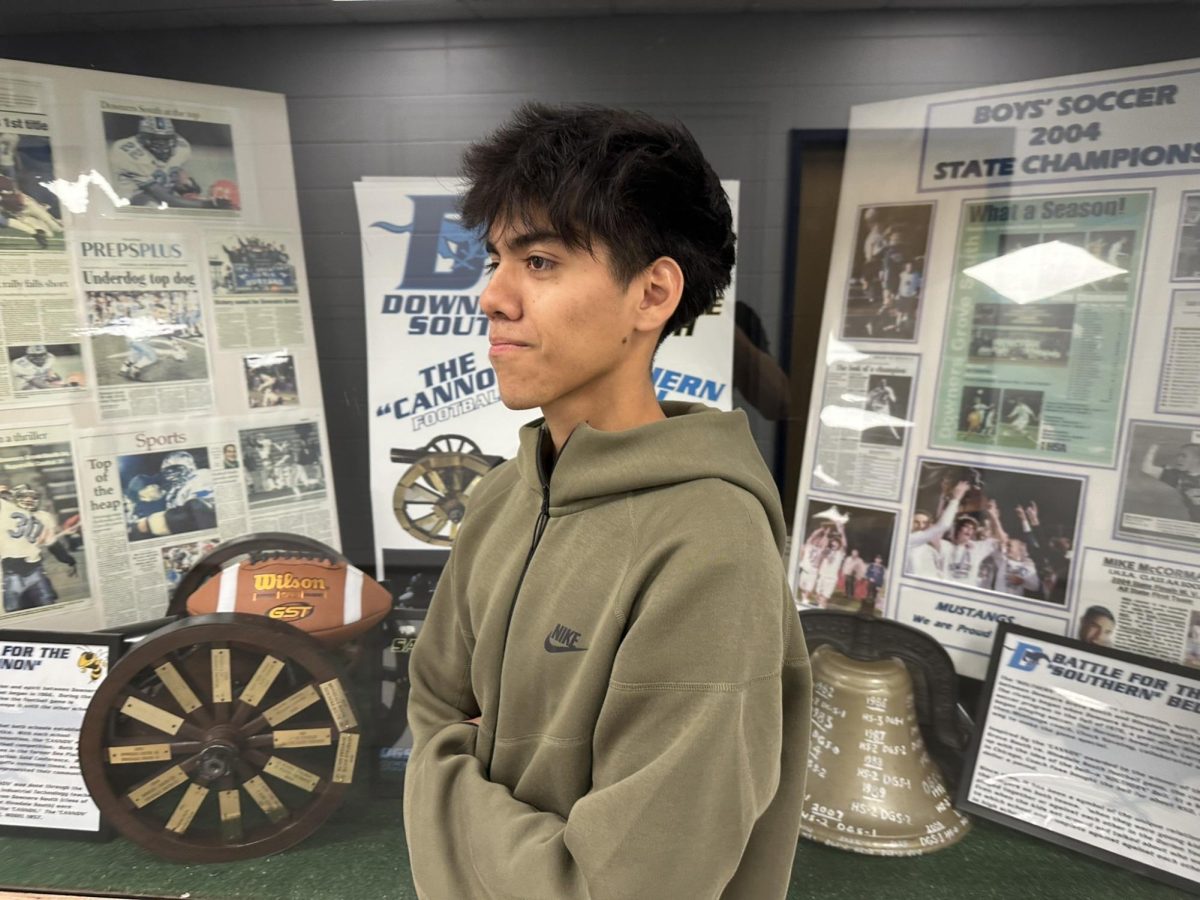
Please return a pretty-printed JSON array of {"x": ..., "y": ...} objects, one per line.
[
  {"x": 437, "y": 423},
  {"x": 1019, "y": 264}
]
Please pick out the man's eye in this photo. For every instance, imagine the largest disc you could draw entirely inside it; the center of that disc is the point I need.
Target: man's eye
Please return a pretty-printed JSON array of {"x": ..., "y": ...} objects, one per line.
[
  {"x": 490, "y": 265},
  {"x": 539, "y": 264}
]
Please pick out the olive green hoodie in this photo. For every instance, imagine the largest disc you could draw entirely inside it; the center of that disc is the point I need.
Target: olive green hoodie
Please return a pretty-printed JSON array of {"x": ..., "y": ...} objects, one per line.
[{"x": 625, "y": 630}]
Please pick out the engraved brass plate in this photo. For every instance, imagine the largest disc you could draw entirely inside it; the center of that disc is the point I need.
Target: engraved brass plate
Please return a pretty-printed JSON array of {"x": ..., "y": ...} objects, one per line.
[
  {"x": 222, "y": 682},
  {"x": 184, "y": 695},
  {"x": 189, "y": 803},
  {"x": 347, "y": 752},
  {"x": 292, "y": 774},
  {"x": 304, "y": 737},
  {"x": 335, "y": 697},
  {"x": 285, "y": 709},
  {"x": 268, "y": 669},
  {"x": 139, "y": 753},
  {"x": 157, "y": 786},
  {"x": 151, "y": 715}
]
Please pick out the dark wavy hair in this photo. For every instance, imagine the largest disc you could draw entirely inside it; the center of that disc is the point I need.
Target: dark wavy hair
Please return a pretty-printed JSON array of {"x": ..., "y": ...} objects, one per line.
[{"x": 639, "y": 186}]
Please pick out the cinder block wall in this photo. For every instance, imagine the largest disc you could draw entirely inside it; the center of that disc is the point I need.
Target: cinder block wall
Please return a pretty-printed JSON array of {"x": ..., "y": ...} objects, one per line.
[{"x": 405, "y": 99}]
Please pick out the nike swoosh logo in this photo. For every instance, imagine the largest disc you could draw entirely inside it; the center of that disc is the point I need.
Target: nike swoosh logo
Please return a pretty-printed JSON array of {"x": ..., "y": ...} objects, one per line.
[{"x": 555, "y": 648}]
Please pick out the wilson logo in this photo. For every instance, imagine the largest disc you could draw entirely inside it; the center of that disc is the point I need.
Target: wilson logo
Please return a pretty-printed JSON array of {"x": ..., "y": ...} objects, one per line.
[
  {"x": 290, "y": 612},
  {"x": 286, "y": 581}
]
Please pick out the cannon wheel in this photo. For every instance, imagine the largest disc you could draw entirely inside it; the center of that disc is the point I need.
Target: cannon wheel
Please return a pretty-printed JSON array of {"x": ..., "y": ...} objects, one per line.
[
  {"x": 218, "y": 738},
  {"x": 430, "y": 497},
  {"x": 453, "y": 443}
]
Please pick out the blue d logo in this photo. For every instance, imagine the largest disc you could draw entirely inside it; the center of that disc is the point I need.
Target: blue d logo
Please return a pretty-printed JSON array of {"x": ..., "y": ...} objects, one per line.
[
  {"x": 1026, "y": 657},
  {"x": 438, "y": 235}
]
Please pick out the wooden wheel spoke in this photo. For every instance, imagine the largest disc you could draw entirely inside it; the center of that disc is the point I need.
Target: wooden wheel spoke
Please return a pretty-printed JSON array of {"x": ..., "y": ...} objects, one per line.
[
  {"x": 418, "y": 493},
  {"x": 179, "y": 685},
  {"x": 432, "y": 523},
  {"x": 313, "y": 734},
  {"x": 158, "y": 785},
  {"x": 133, "y": 750},
  {"x": 185, "y": 811},
  {"x": 148, "y": 713}
]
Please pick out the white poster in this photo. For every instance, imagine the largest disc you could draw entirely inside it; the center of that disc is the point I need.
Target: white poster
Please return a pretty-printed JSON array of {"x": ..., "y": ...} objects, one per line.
[
  {"x": 158, "y": 373},
  {"x": 437, "y": 423},
  {"x": 1035, "y": 248}
]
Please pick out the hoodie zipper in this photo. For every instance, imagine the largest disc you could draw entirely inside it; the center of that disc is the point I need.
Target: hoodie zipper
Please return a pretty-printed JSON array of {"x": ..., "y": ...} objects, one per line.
[{"x": 538, "y": 529}]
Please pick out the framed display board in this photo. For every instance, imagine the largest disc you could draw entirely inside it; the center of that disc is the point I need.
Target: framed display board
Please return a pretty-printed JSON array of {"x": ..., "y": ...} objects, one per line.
[
  {"x": 1092, "y": 748},
  {"x": 1004, "y": 418},
  {"x": 47, "y": 680},
  {"x": 159, "y": 386}
]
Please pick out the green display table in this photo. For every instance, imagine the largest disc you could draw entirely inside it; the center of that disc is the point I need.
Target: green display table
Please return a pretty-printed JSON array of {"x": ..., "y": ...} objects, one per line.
[{"x": 360, "y": 853}]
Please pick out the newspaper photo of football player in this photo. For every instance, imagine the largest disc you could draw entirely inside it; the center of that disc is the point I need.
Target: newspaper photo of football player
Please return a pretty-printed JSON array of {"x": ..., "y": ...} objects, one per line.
[
  {"x": 998, "y": 530},
  {"x": 146, "y": 336},
  {"x": 180, "y": 163},
  {"x": 30, "y": 218},
  {"x": 168, "y": 492},
  {"x": 845, "y": 557},
  {"x": 178, "y": 559},
  {"x": 34, "y": 368},
  {"x": 887, "y": 272},
  {"x": 270, "y": 380},
  {"x": 42, "y": 557},
  {"x": 283, "y": 463},
  {"x": 261, "y": 263}
]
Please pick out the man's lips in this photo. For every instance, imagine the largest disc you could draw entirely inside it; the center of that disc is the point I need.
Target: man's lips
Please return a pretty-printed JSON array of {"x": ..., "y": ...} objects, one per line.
[{"x": 504, "y": 345}]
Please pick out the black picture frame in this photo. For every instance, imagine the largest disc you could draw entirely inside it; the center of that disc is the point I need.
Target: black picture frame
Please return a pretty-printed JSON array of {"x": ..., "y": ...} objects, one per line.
[
  {"x": 996, "y": 667},
  {"x": 113, "y": 643}
]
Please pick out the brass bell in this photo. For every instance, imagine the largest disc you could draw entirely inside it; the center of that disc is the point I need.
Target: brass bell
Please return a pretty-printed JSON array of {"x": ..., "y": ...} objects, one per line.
[{"x": 873, "y": 786}]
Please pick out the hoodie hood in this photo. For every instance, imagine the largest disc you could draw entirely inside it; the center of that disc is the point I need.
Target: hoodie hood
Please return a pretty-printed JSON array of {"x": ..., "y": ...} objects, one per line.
[{"x": 694, "y": 442}]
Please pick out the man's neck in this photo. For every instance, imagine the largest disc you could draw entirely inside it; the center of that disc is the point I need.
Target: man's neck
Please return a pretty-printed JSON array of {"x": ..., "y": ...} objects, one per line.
[{"x": 638, "y": 408}]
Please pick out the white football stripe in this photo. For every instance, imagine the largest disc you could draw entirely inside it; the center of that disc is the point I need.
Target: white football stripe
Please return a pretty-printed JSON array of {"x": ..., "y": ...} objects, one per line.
[
  {"x": 227, "y": 598},
  {"x": 352, "y": 601}
]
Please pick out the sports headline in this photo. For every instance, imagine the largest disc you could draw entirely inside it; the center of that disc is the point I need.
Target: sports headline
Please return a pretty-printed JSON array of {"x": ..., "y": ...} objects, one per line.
[
  {"x": 1071, "y": 133},
  {"x": 449, "y": 388},
  {"x": 27, "y": 658},
  {"x": 1107, "y": 676}
]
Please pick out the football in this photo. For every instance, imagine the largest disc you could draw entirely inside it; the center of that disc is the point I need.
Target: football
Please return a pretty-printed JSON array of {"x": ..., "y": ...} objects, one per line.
[{"x": 332, "y": 601}]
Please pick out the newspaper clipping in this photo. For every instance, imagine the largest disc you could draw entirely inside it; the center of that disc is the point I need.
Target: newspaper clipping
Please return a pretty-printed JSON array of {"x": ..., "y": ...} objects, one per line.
[
  {"x": 160, "y": 497},
  {"x": 1046, "y": 378},
  {"x": 146, "y": 325},
  {"x": 865, "y": 423},
  {"x": 1179, "y": 386},
  {"x": 40, "y": 358},
  {"x": 43, "y": 561},
  {"x": 255, "y": 289},
  {"x": 1142, "y": 604},
  {"x": 168, "y": 156},
  {"x": 846, "y": 557},
  {"x": 887, "y": 276},
  {"x": 1160, "y": 488}
]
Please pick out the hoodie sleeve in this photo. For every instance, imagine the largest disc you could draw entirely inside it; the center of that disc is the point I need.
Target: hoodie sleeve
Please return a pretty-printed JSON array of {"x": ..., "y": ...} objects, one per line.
[{"x": 686, "y": 750}]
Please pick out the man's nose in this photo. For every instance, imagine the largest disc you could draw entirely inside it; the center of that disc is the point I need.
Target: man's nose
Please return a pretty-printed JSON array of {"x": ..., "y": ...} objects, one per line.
[{"x": 500, "y": 297}]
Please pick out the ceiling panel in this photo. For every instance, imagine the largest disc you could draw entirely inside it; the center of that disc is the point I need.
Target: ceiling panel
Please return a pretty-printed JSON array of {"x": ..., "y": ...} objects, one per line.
[{"x": 125, "y": 15}]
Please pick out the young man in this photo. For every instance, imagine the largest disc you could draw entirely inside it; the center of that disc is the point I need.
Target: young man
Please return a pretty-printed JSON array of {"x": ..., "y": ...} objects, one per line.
[{"x": 610, "y": 695}]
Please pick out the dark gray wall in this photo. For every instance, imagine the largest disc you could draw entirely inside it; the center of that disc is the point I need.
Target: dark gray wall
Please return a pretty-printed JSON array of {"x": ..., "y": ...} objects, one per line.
[{"x": 403, "y": 100}]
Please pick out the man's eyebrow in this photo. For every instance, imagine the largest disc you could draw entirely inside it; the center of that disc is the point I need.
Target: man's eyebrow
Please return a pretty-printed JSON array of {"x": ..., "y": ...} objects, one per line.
[{"x": 525, "y": 239}]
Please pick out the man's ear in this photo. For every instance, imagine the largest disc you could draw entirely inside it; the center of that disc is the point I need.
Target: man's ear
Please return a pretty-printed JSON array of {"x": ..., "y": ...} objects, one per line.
[{"x": 662, "y": 286}]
